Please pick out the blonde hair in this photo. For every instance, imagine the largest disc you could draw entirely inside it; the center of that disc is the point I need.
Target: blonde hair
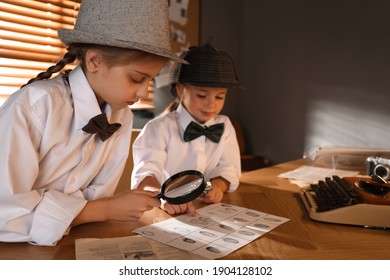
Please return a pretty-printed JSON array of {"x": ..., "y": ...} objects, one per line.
[
  {"x": 111, "y": 55},
  {"x": 172, "y": 106}
]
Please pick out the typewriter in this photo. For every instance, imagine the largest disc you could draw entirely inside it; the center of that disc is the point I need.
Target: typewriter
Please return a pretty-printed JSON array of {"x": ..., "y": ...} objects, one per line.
[{"x": 349, "y": 200}]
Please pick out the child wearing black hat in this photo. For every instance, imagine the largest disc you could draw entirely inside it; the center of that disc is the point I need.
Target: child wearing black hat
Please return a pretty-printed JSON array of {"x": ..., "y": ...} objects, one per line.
[{"x": 194, "y": 135}]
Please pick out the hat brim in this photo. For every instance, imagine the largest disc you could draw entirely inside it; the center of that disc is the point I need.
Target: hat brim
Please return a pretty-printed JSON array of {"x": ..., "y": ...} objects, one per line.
[
  {"x": 68, "y": 36},
  {"x": 229, "y": 86}
]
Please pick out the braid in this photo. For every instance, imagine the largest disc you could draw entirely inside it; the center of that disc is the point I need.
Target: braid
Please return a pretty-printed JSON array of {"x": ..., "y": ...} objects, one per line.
[
  {"x": 172, "y": 106},
  {"x": 111, "y": 55},
  {"x": 69, "y": 57}
]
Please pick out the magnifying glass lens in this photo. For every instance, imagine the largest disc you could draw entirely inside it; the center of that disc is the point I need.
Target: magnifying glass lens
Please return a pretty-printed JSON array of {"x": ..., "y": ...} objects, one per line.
[
  {"x": 180, "y": 190},
  {"x": 183, "y": 187}
]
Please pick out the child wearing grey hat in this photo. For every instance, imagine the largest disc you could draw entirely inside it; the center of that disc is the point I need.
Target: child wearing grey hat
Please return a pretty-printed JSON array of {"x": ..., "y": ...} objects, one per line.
[
  {"x": 194, "y": 135},
  {"x": 65, "y": 140}
]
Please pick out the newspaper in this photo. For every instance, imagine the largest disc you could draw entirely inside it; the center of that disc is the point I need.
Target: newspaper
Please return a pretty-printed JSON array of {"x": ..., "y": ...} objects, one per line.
[{"x": 129, "y": 248}]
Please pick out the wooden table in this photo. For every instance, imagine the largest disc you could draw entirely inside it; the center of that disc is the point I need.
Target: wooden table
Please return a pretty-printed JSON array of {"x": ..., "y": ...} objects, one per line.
[{"x": 300, "y": 238}]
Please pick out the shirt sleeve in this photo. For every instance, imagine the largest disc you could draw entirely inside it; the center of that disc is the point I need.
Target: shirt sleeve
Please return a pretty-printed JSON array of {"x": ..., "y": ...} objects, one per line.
[
  {"x": 229, "y": 165},
  {"x": 149, "y": 153},
  {"x": 27, "y": 212}
]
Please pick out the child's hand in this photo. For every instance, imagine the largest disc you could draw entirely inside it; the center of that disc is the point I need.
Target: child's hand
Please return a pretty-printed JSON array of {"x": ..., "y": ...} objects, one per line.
[
  {"x": 177, "y": 209},
  {"x": 214, "y": 195},
  {"x": 218, "y": 188},
  {"x": 131, "y": 205}
]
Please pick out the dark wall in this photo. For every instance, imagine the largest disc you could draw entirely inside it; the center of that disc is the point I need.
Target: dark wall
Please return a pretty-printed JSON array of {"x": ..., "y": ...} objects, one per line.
[{"x": 316, "y": 72}]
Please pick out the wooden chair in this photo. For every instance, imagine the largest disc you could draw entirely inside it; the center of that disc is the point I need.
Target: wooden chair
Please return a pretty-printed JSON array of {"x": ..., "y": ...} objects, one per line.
[
  {"x": 124, "y": 182},
  {"x": 248, "y": 162}
]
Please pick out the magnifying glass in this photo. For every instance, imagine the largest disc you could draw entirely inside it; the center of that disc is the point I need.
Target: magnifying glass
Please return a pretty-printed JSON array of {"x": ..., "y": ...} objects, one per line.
[{"x": 182, "y": 187}]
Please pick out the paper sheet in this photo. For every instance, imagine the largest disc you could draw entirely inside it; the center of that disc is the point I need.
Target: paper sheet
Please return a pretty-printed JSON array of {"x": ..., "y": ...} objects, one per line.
[
  {"x": 128, "y": 248},
  {"x": 217, "y": 230},
  {"x": 305, "y": 175}
]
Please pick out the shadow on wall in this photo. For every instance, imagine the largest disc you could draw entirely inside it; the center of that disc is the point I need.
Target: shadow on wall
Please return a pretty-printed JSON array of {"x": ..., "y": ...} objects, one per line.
[{"x": 346, "y": 117}]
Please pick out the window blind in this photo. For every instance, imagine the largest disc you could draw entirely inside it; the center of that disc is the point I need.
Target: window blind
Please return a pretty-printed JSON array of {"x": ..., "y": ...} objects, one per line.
[
  {"x": 29, "y": 43},
  {"x": 28, "y": 38}
]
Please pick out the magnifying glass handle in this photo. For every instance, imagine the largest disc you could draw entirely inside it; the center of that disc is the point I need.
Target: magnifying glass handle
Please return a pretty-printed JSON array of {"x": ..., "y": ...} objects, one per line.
[{"x": 209, "y": 186}]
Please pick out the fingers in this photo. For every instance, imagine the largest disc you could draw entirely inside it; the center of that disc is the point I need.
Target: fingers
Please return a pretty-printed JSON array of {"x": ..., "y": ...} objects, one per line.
[
  {"x": 153, "y": 202},
  {"x": 178, "y": 209},
  {"x": 168, "y": 208},
  {"x": 213, "y": 196},
  {"x": 191, "y": 209},
  {"x": 131, "y": 205}
]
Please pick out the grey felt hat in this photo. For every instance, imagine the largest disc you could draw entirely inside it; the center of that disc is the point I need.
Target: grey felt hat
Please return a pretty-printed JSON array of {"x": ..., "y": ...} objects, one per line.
[
  {"x": 208, "y": 67},
  {"x": 133, "y": 24}
]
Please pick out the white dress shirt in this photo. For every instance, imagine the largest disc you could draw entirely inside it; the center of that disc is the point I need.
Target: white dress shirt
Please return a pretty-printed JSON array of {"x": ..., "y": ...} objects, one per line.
[
  {"x": 160, "y": 150},
  {"x": 50, "y": 168}
]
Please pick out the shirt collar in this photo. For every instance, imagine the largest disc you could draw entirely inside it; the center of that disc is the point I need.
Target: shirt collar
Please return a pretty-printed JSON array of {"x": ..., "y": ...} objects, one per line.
[
  {"x": 85, "y": 103},
  {"x": 184, "y": 118}
]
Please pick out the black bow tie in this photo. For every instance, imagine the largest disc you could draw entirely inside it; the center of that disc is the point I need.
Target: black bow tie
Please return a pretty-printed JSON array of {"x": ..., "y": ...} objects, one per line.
[
  {"x": 195, "y": 130},
  {"x": 99, "y": 124}
]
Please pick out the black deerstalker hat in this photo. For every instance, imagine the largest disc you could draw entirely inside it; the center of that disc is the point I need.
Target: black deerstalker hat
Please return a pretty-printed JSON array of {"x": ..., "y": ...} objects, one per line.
[{"x": 208, "y": 67}]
